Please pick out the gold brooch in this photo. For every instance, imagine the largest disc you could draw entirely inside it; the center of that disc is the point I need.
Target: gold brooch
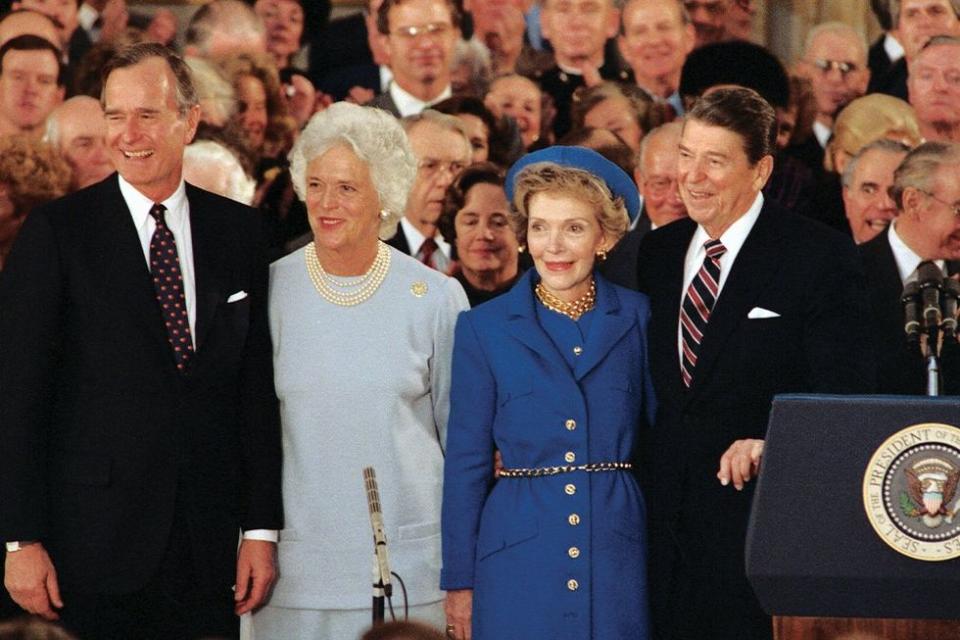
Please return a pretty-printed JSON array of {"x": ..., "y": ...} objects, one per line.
[{"x": 419, "y": 289}]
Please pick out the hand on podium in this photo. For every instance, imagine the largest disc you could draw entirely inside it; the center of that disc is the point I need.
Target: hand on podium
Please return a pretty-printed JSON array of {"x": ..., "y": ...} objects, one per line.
[{"x": 740, "y": 462}]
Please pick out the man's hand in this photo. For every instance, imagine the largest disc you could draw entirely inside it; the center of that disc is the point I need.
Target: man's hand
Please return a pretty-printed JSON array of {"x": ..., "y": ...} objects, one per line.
[
  {"x": 458, "y": 606},
  {"x": 256, "y": 573},
  {"x": 32, "y": 581},
  {"x": 740, "y": 462}
]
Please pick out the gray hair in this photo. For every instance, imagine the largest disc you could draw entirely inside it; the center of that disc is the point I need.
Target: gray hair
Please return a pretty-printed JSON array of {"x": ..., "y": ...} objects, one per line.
[
  {"x": 674, "y": 128},
  {"x": 895, "y": 11},
  {"x": 240, "y": 186},
  {"x": 919, "y": 167},
  {"x": 840, "y": 29},
  {"x": 442, "y": 120},
  {"x": 377, "y": 139},
  {"x": 134, "y": 54},
  {"x": 51, "y": 134},
  {"x": 887, "y": 146},
  {"x": 474, "y": 55},
  {"x": 234, "y": 17},
  {"x": 213, "y": 87}
]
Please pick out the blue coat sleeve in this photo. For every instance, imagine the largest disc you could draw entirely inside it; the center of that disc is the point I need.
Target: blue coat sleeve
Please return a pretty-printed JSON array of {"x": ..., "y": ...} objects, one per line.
[{"x": 468, "y": 469}]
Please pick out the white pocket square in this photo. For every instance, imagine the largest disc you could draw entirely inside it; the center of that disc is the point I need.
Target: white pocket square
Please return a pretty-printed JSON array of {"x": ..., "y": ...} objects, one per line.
[
  {"x": 239, "y": 295},
  {"x": 759, "y": 312}
]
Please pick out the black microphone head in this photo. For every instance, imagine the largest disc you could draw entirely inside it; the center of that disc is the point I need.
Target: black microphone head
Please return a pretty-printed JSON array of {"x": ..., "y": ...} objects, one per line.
[
  {"x": 929, "y": 275},
  {"x": 911, "y": 291},
  {"x": 951, "y": 287}
]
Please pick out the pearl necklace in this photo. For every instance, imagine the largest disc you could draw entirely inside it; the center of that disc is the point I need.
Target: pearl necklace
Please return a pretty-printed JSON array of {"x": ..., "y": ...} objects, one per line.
[
  {"x": 572, "y": 310},
  {"x": 349, "y": 292}
]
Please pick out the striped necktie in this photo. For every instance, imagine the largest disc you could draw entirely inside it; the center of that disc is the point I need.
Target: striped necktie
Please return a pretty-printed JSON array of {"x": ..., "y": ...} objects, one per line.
[{"x": 697, "y": 304}]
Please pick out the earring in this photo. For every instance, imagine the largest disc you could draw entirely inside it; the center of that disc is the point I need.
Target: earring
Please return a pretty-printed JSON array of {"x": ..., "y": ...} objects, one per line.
[
  {"x": 384, "y": 214},
  {"x": 601, "y": 254}
]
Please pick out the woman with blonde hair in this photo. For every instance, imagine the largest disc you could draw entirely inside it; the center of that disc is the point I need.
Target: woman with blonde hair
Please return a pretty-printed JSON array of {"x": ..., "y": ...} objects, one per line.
[{"x": 873, "y": 117}]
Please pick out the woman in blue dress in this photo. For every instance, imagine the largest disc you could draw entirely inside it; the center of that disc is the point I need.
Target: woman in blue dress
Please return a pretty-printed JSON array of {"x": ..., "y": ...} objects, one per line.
[{"x": 553, "y": 375}]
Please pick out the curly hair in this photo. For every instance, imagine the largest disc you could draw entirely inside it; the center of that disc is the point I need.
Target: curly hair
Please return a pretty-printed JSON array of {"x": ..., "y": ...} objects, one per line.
[
  {"x": 377, "y": 138},
  {"x": 261, "y": 67},
  {"x": 33, "y": 172},
  {"x": 547, "y": 177}
]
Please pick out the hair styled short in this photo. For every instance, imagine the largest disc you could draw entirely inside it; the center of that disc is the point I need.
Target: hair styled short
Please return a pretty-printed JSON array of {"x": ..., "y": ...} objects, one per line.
[
  {"x": 456, "y": 196},
  {"x": 143, "y": 51},
  {"x": 870, "y": 118},
  {"x": 377, "y": 139},
  {"x": 743, "y": 112},
  {"x": 555, "y": 179},
  {"x": 920, "y": 166},
  {"x": 30, "y": 42},
  {"x": 645, "y": 111},
  {"x": 884, "y": 145}
]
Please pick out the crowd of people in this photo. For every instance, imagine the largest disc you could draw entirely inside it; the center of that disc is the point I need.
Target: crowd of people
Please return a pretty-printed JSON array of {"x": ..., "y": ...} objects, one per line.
[{"x": 543, "y": 264}]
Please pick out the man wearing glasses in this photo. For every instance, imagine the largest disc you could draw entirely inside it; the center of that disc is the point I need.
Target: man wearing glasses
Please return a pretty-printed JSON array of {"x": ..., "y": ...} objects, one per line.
[
  {"x": 419, "y": 38},
  {"x": 835, "y": 61},
  {"x": 926, "y": 190}
]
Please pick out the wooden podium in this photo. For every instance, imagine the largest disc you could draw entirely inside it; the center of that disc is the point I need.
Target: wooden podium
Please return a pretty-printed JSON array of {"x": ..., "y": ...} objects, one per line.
[{"x": 814, "y": 556}]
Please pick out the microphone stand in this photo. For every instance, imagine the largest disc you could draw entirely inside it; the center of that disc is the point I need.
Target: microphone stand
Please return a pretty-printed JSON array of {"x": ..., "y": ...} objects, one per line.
[{"x": 931, "y": 282}]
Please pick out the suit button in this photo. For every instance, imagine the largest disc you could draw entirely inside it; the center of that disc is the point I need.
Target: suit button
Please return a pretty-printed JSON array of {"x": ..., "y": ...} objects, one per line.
[
  {"x": 573, "y": 552},
  {"x": 577, "y": 350},
  {"x": 570, "y": 489},
  {"x": 573, "y": 585},
  {"x": 573, "y": 519},
  {"x": 570, "y": 424},
  {"x": 570, "y": 456}
]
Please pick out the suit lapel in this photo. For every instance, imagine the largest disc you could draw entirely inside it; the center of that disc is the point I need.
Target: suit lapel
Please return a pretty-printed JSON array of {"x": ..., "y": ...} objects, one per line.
[
  {"x": 607, "y": 328},
  {"x": 524, "y": 327},
  {"x": 209, "y": 262},
  {"x": 751, "y": 271},
  {"x": 669, "y": 283}
]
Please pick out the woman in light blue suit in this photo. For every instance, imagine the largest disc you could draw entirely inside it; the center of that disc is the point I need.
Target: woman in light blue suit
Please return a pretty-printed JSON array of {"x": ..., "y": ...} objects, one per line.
[{"x": 553, "y": 375}]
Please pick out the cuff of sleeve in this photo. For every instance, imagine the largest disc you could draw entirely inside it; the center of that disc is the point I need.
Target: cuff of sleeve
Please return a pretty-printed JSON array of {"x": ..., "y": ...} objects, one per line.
[
  {"x": 267, "y": 535},
  {"x": 452, "y": 581}
]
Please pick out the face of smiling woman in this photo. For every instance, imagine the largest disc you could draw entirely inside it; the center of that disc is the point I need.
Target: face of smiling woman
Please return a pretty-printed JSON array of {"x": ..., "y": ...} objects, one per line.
[{"x": 563, "y": 236}]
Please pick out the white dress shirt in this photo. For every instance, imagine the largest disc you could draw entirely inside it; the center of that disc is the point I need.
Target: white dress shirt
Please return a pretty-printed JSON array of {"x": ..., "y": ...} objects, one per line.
[
  {"x": 732, "y": 239},
  {"x": 905, "y": 257},
  {"x": 177, "y": 218},
  {"x": 409, "y": 105},
  {"x": 441, "y": 257},
  {"x": 822, "y": 133},
  {"x": 892, "y": 48}
]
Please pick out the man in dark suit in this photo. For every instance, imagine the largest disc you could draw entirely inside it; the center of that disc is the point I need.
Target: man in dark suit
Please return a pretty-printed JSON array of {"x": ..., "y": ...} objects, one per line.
[
  {"x": 926, "y": 190},
  {"x": 748, "y": 300},
  {"x": 140, "y": 423},
  {"x": 885, "y": 51}
]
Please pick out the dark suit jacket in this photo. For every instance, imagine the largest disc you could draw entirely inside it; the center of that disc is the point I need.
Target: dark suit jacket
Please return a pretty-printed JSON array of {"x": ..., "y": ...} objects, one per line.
[
  {"x": 399, "y": 241},
  {"x": 103, "y": 439},
  {"x": 620, "y": 267},
  {"x": 811, "y": 277},
  {"x": 385, "y": 101},
  {"x": 894, "y": 81}
]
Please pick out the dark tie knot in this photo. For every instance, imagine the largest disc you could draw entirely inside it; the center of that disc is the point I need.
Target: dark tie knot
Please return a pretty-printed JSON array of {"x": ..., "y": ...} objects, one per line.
[
  {"x": 429, "y": 246},
  {"x": 714, "y": 248},
  {"x": 157, "y": 211}
]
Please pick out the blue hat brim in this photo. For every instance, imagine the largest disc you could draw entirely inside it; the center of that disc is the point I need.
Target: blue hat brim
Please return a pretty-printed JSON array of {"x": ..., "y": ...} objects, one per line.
[{"x": 620, "y": 184}]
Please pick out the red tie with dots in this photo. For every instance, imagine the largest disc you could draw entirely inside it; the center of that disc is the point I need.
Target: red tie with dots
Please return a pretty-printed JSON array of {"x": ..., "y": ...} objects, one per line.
[{"x": 168, "y": 284}]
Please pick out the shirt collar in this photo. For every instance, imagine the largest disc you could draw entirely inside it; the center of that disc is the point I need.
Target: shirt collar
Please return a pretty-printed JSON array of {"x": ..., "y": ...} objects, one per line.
[
  {"x": 822, "y": 133},
  {"x": 415, "y": 238},
  {"x": 386, "y": 77},
  {"x": 907, "y": 260},
  {"x": 893, "y": 48},
  {"x": 736, "y": 234},
  {"x": 409, "y": 105},
  {"x": 87, "y": 16},
  {"x": 140, "y": 205}
]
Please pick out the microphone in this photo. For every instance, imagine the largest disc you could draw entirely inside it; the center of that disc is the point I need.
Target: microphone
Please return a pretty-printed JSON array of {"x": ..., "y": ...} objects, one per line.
[
  {"x": 931, "y": 280},
  {"x": 911, "y": 311},
  {"x": 382, "y": 566},
  {"x": 951, "y": 292}
]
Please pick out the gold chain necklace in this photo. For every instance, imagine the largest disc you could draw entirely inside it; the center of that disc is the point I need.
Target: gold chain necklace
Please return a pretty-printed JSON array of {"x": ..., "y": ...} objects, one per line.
[
  {"x": 352, "y": 291},
  {"x": 572, "y": 310}
]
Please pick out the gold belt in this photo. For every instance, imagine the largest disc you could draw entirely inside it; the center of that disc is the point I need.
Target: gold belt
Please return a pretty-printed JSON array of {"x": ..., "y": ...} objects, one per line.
[{"x": 552, "y": 471}]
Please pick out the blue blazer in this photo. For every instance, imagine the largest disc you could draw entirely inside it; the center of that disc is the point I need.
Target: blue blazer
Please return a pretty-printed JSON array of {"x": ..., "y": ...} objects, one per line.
[{"x": 561, "y": 556}]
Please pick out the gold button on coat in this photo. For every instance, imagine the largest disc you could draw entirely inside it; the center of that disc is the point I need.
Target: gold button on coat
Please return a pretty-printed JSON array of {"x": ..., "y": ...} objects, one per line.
[
  {"x": 570, "y": 489},
  {"x": 573, "y": 585},
  {"x": 573, "y": 552},
  {"x": 573, "y": 519},
  {"x": 570, "y": 456},
  {"x": 570, "y": 424}
]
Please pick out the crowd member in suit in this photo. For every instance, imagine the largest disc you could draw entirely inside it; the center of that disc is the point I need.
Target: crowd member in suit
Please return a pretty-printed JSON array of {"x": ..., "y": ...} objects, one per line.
[
  {"x": 73, "y": 41},
  {"x": 476, "y": 223},
  {"x": 579, "y": 31},
  {"x": 373, "y": 329},
  {"x": 553, "y": 375},
  {"x": 655, "y": 39},
  {"x": 867, "y": 179},
  {"x": 885, "y": 51},
  {"x": 77, "y": 130},
  {"x": 140, "y": 418},
  {"x": 748, "y": 300},
  {"x": 915, "y": 22},
  {"x": 934, "y": 87},
  {"x": 283, "y": 21},
  {"x": 31, "y": 85},
  {"x": 926, "y": 190},
  {"x": 656, "y": 177},
  {"x": 419, "y": 37},
  {"x": 709, "y": 19},
  {"x": 349, "y": 60},
  {"x": 442, "y": 150},
  {"x": 835, "y": 62}
]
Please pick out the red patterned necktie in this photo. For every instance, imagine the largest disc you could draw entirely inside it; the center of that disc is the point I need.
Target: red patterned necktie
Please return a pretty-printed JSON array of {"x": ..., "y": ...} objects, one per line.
[
  {"x": 427, "y": 249},
  {"x": 697, "y": 304},
  {"x": 168, "y": 284}
]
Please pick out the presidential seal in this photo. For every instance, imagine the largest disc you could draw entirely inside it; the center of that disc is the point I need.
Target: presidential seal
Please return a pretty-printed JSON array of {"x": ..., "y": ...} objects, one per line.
[{"x": 910, "y": 491}]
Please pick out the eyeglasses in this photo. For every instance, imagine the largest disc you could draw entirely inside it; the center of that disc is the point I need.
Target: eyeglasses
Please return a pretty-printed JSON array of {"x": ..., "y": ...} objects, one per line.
[
  {"x": 431, "y": 166},
  {"x": 953, "y": 206},
  {"x": 431, "y": 30},
  {"x": 826, "y": 66},
  {"x": 660, "y": 186}
]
